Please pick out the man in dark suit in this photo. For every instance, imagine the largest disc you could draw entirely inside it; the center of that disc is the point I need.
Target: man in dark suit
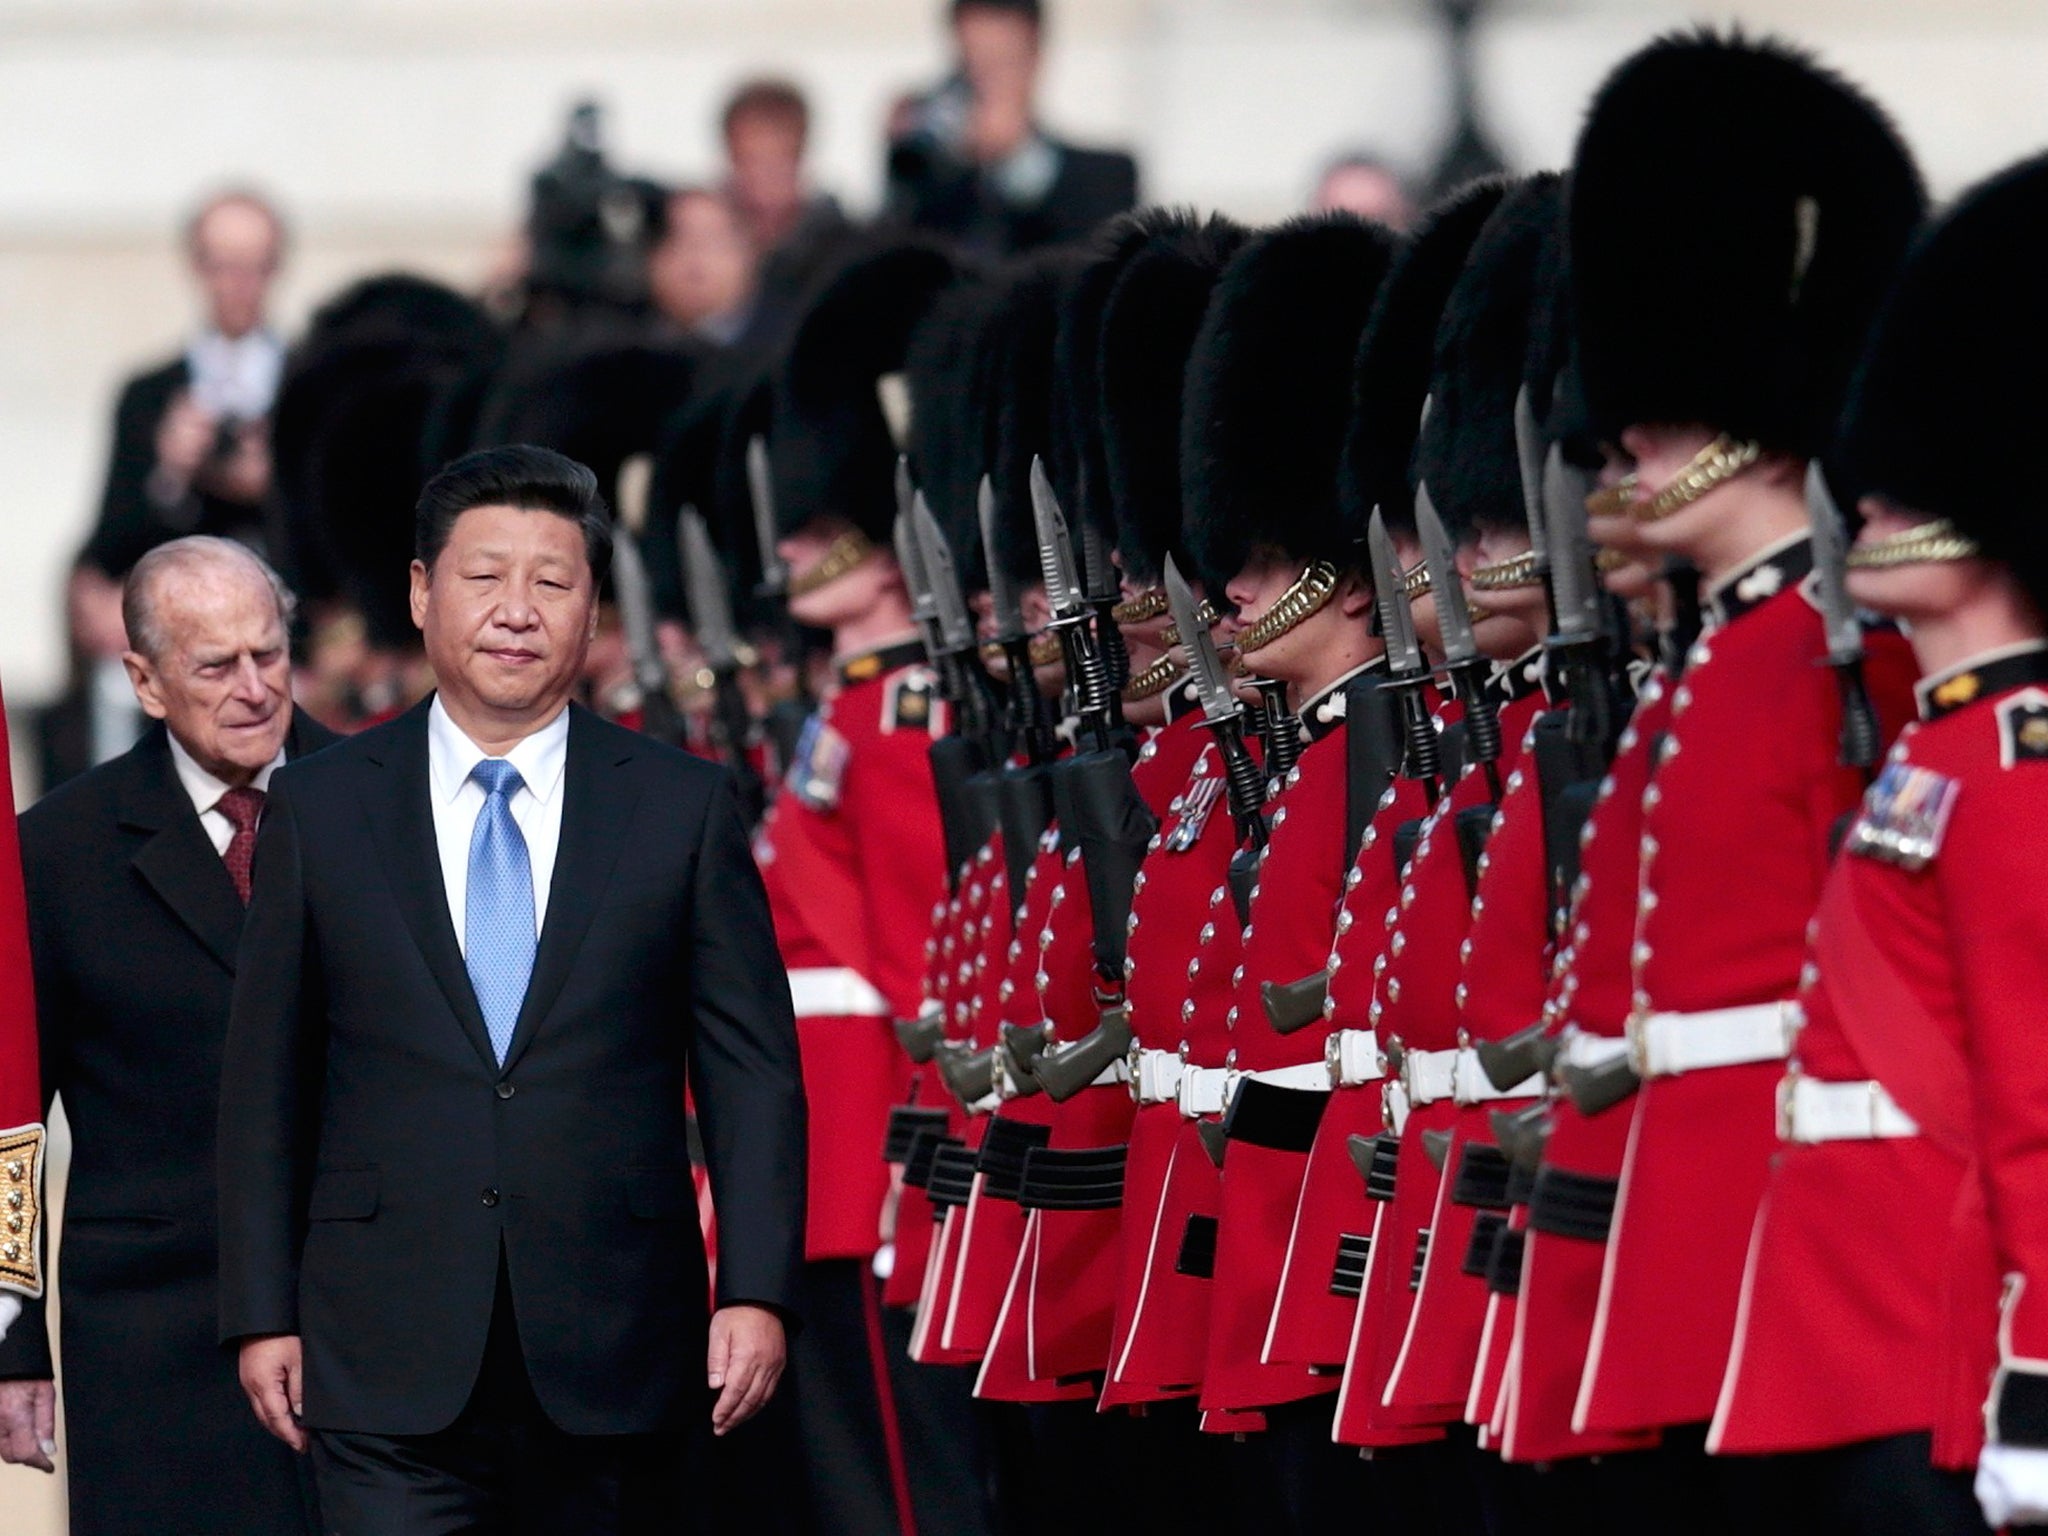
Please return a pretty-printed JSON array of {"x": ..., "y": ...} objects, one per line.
[
  {"x": 496, "y": 939},
  {"x": 971, "y": 161},
  {"x": 191, "y": 436},
  {"x": 137, "y": 877}
]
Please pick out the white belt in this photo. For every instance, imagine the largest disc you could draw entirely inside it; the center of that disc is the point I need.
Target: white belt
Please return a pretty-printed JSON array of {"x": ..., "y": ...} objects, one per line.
[
  {"x": 1118, "y": 1071},
  {"x": 1471, "y": 1085},
  {"x": 1352, "y": 1058},
  {"x": 1155, "y": 1076},
  {"x": 835, "y": 991},
  {"x": 1811, "y": 1110},
  {"x": 1427, "y": 1076},
  {"x": 1313, "y": 1075},
  {"x": 1581, "y": 1048},
  {"x": 1667, "y": 1044},
  {"x": 1200, "y": 1090}
]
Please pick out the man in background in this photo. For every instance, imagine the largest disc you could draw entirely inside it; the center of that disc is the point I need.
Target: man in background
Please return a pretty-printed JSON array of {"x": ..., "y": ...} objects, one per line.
[
  {"x": 138, "y": 878},
  {"x": 970, "y": 159},
  {"x": 1359, "y": 181},
  {"x": 190, "y": 454}
]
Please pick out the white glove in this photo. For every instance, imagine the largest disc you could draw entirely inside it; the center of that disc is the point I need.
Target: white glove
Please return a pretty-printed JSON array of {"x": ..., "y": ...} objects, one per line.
[
  {"x": 10, "y": 1309},
  {"x": 2012, "y": 1485}
]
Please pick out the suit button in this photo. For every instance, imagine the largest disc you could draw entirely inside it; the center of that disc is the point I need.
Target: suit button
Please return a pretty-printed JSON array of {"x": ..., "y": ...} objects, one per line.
[
  {"x": 506, "y": 1090},
  {"x": 490, "y": 1197}
]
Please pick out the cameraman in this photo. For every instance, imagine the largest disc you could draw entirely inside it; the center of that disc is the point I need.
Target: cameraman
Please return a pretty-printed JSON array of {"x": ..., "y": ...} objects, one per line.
[
  {"x": 970, "y": 160},
  {"x": 191, "y": 437}
]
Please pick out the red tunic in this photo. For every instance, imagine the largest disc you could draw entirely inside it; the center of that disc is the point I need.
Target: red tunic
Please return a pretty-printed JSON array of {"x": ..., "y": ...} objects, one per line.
[
  {"x": 1183, "y": 944},
  {"x": 1590, "y": 992},
  {"x": 1930, "y": 981},
  {"x": 1743, "y": 802},
  {"x": 1293, "y": 916},
  {"x": 21, "y": 1096},
  {"x": 852, "y": 856}
]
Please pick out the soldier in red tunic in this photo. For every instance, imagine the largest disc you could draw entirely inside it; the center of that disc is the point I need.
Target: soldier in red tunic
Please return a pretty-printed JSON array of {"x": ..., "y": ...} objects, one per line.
[
  {"x": 851, "y": 854},
  {"x": 1904, "y": 1202},
  {"x": 1713, "y": 354},
  {"x": 21, "y": 1126},
  {"x": 1266, "y": 403}
]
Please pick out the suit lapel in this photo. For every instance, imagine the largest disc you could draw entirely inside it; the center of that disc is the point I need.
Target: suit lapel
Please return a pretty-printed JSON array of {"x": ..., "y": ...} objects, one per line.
[
  {"x": 401, "y": 816},
  {"x": 178, "y": 861},
  {"x": 597, "y": 813}
]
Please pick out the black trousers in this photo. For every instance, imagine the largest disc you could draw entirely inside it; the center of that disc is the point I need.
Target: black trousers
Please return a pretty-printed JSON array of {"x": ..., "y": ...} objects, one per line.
[{"x": 503, "y": 1469}]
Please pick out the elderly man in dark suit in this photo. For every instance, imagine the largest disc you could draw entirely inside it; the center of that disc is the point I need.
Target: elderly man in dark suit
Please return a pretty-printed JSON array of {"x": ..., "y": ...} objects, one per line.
[
  {"x": 137, "y": 877},
  {"x": 495, "y": 942}
]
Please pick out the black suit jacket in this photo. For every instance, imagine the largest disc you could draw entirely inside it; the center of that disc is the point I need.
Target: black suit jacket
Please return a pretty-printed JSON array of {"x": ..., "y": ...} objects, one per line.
[
  {"x": 936, "y": 193},
  {"x": 133, "y": 926},
  {"x": 131, "y": 522},
  {"x": 376, "y": 1160}
]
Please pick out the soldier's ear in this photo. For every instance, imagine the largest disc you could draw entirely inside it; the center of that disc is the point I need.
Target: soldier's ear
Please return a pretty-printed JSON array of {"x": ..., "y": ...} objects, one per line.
[{"x": 1354, "y": 596}]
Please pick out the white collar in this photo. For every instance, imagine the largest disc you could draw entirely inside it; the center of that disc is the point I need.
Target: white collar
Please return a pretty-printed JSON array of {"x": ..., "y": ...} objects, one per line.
[
  {"x": 452, "y": 756},
  {"x": 204, "y": 788}
]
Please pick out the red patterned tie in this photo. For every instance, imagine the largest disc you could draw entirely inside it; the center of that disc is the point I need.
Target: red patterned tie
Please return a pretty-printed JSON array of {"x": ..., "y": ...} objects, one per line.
[{"x": 242, "y": 807}]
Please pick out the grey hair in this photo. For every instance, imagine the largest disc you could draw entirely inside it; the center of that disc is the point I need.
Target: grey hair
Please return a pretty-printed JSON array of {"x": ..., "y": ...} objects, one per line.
[{"x": 183, "y": 556}]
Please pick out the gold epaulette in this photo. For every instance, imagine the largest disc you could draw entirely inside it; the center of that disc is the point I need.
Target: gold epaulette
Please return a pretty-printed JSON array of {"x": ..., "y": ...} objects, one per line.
[{"x": 21, "y": 1210}]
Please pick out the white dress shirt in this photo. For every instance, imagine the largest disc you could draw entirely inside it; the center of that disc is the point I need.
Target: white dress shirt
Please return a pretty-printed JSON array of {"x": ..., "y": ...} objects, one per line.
[
  {"x": 235, "y": 376},
  {"x": 536, "y": 805},
  {"x": 206, "y": 791}
]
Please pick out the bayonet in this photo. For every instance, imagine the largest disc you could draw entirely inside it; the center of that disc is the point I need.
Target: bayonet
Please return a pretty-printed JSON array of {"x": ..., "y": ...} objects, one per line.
[
  {"x": 1466, "y": 664},
  {"x": 958, "y": 660},
  {"x": 1860, "y": 744},
  {"x": 761, "y": 493},
  {"x": 1529, "y": 459},
  {"x": 711, "y": 609},
  {"x": 1580, "y": 644},
  {"x": 1094, "y": 699},
  {"x": 659, "y": 716},
  {"x": 1099, "y": 573},
  {"x": 1407, "y": 671},
  {"x": 1029, "y": 718},
  {"x": 1225, "y": 719}
]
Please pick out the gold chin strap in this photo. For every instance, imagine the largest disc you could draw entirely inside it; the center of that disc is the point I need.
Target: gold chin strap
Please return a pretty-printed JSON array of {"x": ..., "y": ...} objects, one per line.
[
  {"x": 1045, "y": 649},
  {"x": 1311, "y": 590},
  {"x": 1416, "y": 583},
  {"x": 1721, "y": 460},
  {"x": 841, "y": 556},
  {"x": 1153, "y": 681},
  {"x": 1146, "y": 606},
  {"x": 1923, "y": 544},
  {"x": 1506, "y": 575}
]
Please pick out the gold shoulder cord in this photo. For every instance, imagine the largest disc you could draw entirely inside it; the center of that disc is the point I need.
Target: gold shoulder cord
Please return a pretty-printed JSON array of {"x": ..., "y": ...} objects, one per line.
[
  {"x": 841, "y": 556},
  {"x": 21, "y": 1210},
  {"x": 1311, "y": 590},
  {"x": 1926, "y": 543}
]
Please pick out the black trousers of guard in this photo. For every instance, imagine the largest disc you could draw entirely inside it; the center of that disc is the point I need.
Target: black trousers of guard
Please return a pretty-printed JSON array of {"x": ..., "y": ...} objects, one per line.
[
  {"x": 1882, "y": 1487},
  {"x": 883, "y": 1447},
  {"x": 503, "y": 1469}
]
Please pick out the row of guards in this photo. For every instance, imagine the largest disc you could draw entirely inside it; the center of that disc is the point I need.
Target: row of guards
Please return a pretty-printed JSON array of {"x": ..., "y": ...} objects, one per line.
[{"x": 1371, "y": 872}]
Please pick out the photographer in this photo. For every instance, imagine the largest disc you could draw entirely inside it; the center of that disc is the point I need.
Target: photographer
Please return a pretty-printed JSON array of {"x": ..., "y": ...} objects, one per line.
[
  {"x": 191, "y": 449},
  {"x": 970, "y": 160}
]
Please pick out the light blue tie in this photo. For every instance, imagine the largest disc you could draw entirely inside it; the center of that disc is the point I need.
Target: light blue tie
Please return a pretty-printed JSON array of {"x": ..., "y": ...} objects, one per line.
[{"x": 498, "y": 925}]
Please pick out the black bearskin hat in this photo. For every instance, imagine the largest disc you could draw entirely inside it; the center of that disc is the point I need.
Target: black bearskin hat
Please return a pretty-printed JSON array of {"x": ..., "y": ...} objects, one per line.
[
  {"x": 1019, "y": 338},
  {"x": 351, "y": 437},
  {"x": 1736, "y": 215},
  {"x": 1945, "y": 413},
  {"x": 1390, "y": 375},
  {"x": 833, "y": 449},
  {"x": 1268, "y": 391},
  {"x": 1147, "y": 333},
  {"x": 1491, "y": 330},
  {"x": 951, "y": 431},
  {"x": 599, "y": 404}
]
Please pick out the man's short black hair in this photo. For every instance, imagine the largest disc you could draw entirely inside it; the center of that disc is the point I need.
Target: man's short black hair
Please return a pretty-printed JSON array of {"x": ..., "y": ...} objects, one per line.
[
  {"x": 523, "y": 476},
  {"x": 1030, "y": 10}
]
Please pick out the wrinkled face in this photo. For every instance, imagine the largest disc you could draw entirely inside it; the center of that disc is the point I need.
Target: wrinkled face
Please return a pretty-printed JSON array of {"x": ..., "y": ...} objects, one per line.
[
  {"x": 1919, "y": 592},
  {"x": 235, "y": 257},
  {"x": 508, "y": 611},
  {"x": 222, "y": 680}
]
